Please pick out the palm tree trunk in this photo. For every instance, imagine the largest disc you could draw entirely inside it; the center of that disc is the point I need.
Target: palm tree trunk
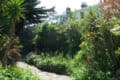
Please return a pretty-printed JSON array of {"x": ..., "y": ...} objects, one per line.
[{"x": 12, "y": 35}]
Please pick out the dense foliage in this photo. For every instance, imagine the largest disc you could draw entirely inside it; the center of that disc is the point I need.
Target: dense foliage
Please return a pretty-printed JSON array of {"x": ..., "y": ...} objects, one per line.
[
  {"x": 11, "y": 73},
  {"x": 64, "y": 38},
  {"x": 98, "y": 55},
  {"x": 12, "y": 11},
  {"x": 85, "y": 49},
  {"x": 97, "y": 48},
  {"x": 34, "y": 14}
]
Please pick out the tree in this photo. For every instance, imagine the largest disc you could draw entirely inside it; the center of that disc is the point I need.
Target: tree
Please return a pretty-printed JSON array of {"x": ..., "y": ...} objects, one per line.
[
  {"x": 13, "y": 10},
  {"x": 34, "y": 14},
  {"x": 63, "y": 38},
  {"x": 83, "y": 8},
  {"x": 68, "y": 14},
  {"x": 110, "y": 8}
]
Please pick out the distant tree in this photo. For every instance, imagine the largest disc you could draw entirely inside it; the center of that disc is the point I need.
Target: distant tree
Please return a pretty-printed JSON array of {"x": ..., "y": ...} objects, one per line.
[
  {"x": 83, "y": 7},
  {"x": 68, "y": 14},
  {"x": 63, "y": 38}
]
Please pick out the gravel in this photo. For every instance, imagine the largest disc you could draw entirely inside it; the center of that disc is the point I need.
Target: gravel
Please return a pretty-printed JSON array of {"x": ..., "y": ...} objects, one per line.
[{"x": 42, "y": 74}]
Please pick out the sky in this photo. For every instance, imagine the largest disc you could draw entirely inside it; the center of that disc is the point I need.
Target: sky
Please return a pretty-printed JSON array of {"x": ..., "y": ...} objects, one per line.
[{"x": 61, "y": 5}]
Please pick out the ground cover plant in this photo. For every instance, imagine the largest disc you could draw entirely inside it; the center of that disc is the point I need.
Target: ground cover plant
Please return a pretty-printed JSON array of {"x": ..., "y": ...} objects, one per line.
[{"x": 13, "y": 73}]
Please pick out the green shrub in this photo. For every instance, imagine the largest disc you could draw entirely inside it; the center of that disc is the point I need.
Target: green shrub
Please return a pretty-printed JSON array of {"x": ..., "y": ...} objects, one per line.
[
  {"x": 96, "y": 53},
  {"x": 55, "y": 64},
  {"x": 12, "y": 73},
  {"x": 117, "y": 52},
  {"x": 78, "y": 71},
  {"x": 53, "y": 37},
  {"x": 81, "y": 71},
  {"x": 116, "y": 39}
]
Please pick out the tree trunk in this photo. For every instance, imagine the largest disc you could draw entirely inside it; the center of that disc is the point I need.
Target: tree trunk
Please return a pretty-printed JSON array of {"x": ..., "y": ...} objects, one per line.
[{"x": 12, "y": 35}]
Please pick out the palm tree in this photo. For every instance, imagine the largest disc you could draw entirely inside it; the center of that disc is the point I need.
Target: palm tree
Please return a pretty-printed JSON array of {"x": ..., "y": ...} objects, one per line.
[
  {"x": 35, "y": 14},
  {"x": 14, "y": 11}
]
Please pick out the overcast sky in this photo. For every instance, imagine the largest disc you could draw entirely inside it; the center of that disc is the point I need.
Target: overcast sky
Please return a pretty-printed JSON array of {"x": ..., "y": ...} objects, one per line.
[{"x": 61, "y": 5}]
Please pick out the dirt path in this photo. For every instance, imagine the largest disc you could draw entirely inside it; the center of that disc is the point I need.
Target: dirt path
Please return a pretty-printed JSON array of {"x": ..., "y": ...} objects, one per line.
[{"x": 41, "y": 74}]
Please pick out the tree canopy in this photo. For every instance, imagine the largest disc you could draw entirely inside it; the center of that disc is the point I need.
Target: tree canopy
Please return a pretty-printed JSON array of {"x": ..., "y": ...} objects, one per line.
[{"x": 34, "y": 14}]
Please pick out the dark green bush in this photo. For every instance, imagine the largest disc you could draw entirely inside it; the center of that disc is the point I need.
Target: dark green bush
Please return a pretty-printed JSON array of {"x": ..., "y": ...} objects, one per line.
[
  {"x": 55, "y": 64},
  {"x": 116, "y": 39},
  {"x": 53, "y": 37}
]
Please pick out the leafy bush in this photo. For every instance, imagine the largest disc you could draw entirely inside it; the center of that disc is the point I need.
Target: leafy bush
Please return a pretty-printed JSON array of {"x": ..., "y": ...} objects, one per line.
[
  {"x": 83, "y": 73},
  {"x": 12, "y": 73},
  {"x": 56, "y": 64},
  {"x": 78, "y": 71},
  {"x": 53, "y": 37},
  {"x": 116, "y": 39},
  {"x": 96, "y": 54},
  {"x": 117, "y": 52}
]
